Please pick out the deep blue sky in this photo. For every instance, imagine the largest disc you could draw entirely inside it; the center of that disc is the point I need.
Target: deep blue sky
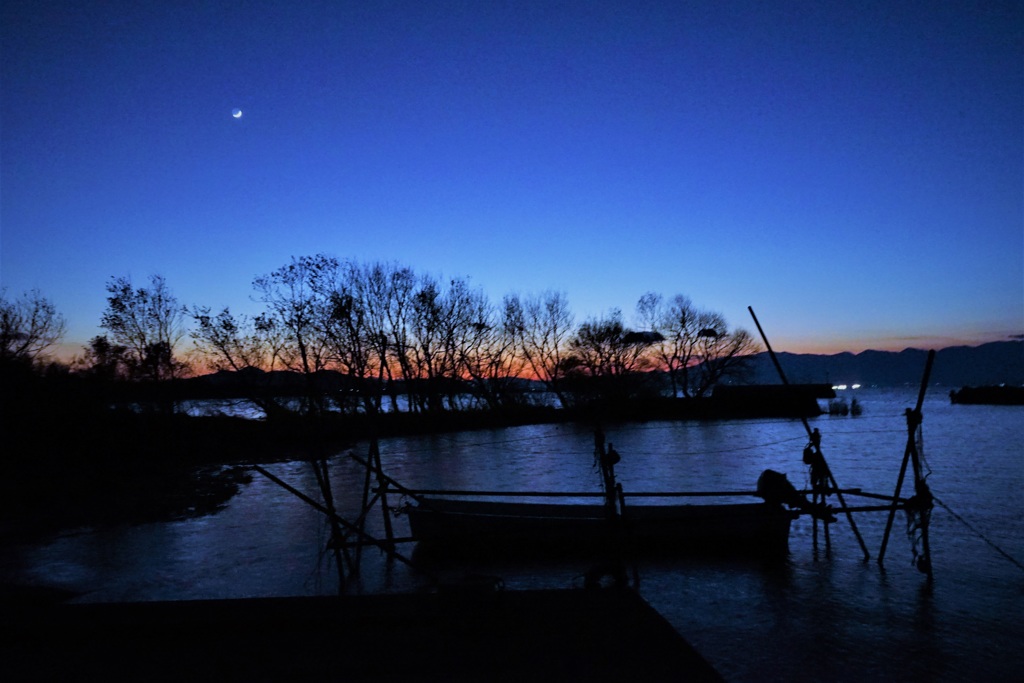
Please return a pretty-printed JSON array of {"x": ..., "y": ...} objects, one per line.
[{"x": 854, "y": 171}]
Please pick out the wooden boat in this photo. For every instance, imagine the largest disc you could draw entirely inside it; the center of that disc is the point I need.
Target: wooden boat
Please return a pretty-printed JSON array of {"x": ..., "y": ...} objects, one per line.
[
  {"x": 454, "y": 526},
  {"x": 480, "y": 527}
]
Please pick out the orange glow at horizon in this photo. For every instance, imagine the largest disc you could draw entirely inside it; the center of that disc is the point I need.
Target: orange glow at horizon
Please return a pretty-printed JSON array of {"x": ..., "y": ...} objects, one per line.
[{"x": 69, "y": 352}]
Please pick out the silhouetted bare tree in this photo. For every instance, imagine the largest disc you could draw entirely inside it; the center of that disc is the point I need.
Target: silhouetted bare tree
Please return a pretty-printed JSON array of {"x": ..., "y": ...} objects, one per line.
[
  {"x": 230, "y": 342},
  {"x": 356, "y": 328},
  {"x": 104, "y": 360},
  {"x": 485, "y": 346},
  {"x": 383, "y": 327},
  {"x": 608, "y": 358},
  {"x": 372, "y": 287},
  {"x": 439, "y": 324},
  {"x": 721, "y": 353},
  {"x": 149, "y": 324},
  {"x": 251, "y": 347},
  {"x": 492, "y": 361},
  {"x": 395, "y": 286},
  {"x": 296, "y": 307},
  {"x": 543, "y": 325},
  {"x": 677, "y": 322},
  {"x": 696, "y": 350},
  {"x": 30, "y": 327}
]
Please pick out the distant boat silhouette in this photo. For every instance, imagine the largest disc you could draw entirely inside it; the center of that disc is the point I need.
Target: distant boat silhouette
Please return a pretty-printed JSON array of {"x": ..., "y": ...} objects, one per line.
[
  {"x": 838, "y": 406},
  {"x": 991, "y": 395}
]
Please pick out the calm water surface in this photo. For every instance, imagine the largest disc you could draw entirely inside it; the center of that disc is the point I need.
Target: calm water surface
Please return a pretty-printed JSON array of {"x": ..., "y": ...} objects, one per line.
[{"x": 818, "y": 618}]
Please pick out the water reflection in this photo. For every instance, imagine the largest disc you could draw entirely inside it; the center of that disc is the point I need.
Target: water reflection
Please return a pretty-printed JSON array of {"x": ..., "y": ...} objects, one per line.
[{"x": 835, "y": 619}]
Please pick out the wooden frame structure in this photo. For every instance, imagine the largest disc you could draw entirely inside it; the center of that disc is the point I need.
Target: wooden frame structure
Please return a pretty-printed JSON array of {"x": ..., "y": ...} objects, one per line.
[
  {"x": 824, "y": 483},
  {"x": 349, "y": 535}
]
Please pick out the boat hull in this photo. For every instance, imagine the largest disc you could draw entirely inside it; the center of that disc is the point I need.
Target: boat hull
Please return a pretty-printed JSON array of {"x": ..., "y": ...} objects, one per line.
[{"x": 500, "y": 528}]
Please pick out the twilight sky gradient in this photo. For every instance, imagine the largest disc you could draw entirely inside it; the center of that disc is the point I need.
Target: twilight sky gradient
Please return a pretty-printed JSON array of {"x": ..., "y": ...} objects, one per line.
[{"x": 854, "y": 171}]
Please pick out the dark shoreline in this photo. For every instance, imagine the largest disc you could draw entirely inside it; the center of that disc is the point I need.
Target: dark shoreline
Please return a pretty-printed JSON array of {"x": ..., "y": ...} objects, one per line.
[{"x": 100, "y": 469}]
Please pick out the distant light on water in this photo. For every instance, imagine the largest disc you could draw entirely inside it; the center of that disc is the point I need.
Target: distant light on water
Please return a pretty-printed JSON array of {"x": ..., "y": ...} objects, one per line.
[{"x": 844, "y": 387}]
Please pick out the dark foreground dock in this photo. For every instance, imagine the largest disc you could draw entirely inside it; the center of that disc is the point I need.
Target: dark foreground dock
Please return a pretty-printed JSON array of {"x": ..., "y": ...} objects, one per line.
[{"x": 587, "y": 635}]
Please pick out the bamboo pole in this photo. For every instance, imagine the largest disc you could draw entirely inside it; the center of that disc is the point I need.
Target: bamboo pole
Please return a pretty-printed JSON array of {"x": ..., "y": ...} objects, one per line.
[
  {"x": 860, "y": 493},
  {"x": 365, "y": 504},
  {"x": 910, "y": 454},
  {"x": 892, "y": 509},
  {"x": 391, "y": 483},
  {"x": 856, "y": 508},
  {"x": 334, "y": 516},
  {"x": 807, "y": 427},
  {"x": 572, "y": 494},
  {"x": 379, "y": 468},
  {"x": 341, "y": 556},
  {"x": 383, "y": 545}
]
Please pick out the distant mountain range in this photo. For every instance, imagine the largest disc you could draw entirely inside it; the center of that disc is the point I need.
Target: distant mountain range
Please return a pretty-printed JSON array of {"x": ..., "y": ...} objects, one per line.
[{"x": 956, "y": 366}]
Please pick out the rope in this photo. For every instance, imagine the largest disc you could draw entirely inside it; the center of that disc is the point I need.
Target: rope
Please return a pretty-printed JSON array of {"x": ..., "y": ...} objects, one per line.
[
  {"x": 474, "y": 444},
  {"x": 731, "y": 449},
  {"x": 506, "y": 442},
  {"x": 978, "y": 533},
  {"x": 641, "y": 428}
]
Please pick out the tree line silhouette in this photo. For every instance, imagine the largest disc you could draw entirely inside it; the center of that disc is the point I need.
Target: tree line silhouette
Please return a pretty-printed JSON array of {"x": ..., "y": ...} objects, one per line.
[{"x": 366, "y": 338}]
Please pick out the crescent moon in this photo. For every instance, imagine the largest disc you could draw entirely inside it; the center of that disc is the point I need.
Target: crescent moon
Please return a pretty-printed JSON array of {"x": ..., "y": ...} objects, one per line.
[{"x": 237, "y": 113}]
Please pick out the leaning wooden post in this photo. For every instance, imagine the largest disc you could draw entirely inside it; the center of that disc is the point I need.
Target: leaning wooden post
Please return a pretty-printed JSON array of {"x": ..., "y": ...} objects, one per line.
[
  {"x": 382, "y": 484},
  {"x": 911, "y": 455},
  {"x": 338, "y": 533},
  {"x": 342, "y": 522},
  {"x": 814, "y": 527},
  {"x": 363, "y": 508},
  {"x": 341, "y": 557},
  {"x": 922, "y": 499},
  {"x": 372, "y": 466},
  {"x": 895, "y": 497},
  {"x": 828, "y": 470},
  {"x": 819, "y": 488}
]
